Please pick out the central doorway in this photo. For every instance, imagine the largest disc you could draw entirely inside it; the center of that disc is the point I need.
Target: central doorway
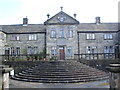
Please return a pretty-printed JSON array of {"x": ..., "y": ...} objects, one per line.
[{"x": 61, "y": 53}]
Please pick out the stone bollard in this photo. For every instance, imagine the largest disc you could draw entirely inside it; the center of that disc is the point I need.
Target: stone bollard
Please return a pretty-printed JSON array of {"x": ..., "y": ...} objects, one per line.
[
  {"x": 4, "y": 77},
  {"x": 114, "y": 79}
]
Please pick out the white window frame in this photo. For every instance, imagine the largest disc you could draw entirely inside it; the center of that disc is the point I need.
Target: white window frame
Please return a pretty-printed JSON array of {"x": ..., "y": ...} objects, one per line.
[
  {"x": 61, "y": 33},
  {"x": 69, "y": 51},
  {"x": 15, "y": 37},
  {"x": 90, "y": 36},
  {"x": 112, "y": 49},
  {"x": 108, "y": 36},
  {"x": 53, "y": 51},
  {"x": 18, "y": 50},
  {"x": 106, "y": 49},
  {"x": 32, "y": 37},
  {"x": 70, "y": 32},
  {"x": 53, "y": 33},
  {"x": 91, "y": 49},
  {"x": 32, "y": 50}
]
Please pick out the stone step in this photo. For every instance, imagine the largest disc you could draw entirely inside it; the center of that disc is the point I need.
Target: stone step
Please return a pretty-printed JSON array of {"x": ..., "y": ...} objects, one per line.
[{"x": 60, "y": 72}]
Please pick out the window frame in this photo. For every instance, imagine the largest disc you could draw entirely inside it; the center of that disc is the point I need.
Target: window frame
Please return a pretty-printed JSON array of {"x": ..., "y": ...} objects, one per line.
[
  {"x": 15, "y": 37},
  {"x": 90, "y": 36},
  {"x": 32, "y": 37},
  {"x": 69, "y": 53},
  {"x": 32, "y": 50},
  {"x": 53, "y": 34},
  {"x": 61, "y": 33},
  {"x": 108, "y": 36},
  {"x": 53, "y": 51},
  {"x": 70, "y": 32}
]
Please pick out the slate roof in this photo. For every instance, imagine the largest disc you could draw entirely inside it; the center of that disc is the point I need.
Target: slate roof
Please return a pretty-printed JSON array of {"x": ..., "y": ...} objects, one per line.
[
  {"x": 41, "y": 28},
  {"x": 30, "y": 28},
  {"x": 100, "y": 27}
]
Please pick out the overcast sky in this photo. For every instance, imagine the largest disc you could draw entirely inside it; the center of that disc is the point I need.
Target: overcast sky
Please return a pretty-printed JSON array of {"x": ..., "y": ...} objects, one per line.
[{"x": 13, "y": 11}]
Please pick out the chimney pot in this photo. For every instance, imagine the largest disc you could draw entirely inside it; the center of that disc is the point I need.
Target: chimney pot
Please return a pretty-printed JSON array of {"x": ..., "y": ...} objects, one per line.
[
  {"x": 75, "y": 15},
  {"x": 97, "y": 20},
  {"x": 25, "y": 21}
]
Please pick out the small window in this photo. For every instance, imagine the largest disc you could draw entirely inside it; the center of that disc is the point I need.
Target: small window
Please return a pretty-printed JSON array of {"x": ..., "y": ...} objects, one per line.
[
  {"x": 106, "y": 49},
  {"x": 112, "y": 49},
  {"x": 53, "y": 51},
  {"x": 32, "y": 50},
  {"x": 61, "y": 33},
  {"x": 18, "y": 50},
  {"x": 70, "y": 33},
  {"x": 15, "y": 37},
  {"x": 90, "y": 36},
  {"x": 12, "y": 50},
  {"x": 91, "y": 49},
  {"x": 69, "y": 49},
  {"x": 32, "y": 37},
  {"x": 53, "y": 34},
  {"x": 88, "y": 50},
  {"x": 108, "y": 36}
]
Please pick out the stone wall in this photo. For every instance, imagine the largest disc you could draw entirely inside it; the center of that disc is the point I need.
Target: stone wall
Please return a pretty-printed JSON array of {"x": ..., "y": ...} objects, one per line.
[
  {"x": 24, "y": 43},
  {"x": 98, "y": 43},
  {"x": 2, "y": 42},
  {"x": 65, "y": 42}
]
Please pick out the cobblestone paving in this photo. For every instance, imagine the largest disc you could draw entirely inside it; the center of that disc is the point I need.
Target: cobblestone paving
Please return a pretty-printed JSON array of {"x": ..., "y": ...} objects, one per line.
[{"x": 96, "y": 84}]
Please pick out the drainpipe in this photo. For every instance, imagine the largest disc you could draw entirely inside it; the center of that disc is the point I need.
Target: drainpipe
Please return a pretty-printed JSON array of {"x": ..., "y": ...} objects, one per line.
[
  {"x": 78, "y": 46},
  {"x": 45, "y": 43}
]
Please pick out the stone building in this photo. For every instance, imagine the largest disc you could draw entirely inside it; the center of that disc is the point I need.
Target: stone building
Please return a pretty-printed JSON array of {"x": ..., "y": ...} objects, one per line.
[
  {"x": 2, "y": 42},
  {"x": 62, "y": 36}
]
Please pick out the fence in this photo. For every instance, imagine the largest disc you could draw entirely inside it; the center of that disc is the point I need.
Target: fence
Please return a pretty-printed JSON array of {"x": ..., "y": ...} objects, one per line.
[
  {"x": 37, "y": 57},
  {"x": 96, "y": 56}
]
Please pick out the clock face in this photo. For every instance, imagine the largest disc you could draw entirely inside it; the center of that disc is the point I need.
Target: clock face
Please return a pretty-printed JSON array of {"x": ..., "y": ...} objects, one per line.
[{"x": 61, "y": 18}]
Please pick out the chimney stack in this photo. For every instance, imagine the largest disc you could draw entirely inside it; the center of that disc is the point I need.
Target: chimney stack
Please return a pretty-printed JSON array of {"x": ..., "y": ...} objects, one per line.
[
  {"x": 97, "y": 20},
  {"x": 25, "y": 21}
]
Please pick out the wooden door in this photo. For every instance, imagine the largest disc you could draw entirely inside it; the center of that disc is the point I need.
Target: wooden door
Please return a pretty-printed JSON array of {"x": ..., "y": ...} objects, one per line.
[{"x": 62, "y": 53}]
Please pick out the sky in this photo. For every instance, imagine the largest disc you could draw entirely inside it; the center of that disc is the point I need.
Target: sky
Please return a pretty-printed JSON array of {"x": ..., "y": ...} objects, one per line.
[{"x": 13, "y": 11}]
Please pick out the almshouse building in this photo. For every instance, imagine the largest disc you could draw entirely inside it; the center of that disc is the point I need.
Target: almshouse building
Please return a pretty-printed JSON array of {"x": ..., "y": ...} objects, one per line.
[{"x": 63, "y": 37}]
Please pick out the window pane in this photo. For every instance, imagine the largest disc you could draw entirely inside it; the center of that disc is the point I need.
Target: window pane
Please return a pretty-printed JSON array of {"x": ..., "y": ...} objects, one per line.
[
  {"x": 69, "y": 51},
  {"x": 53, "y": 51},
  {"x": 53, "y": 33},
  {"x": 108, "y": 36},
  {"x": 111, "y": 49},
  {"x": 15, "y": 37},
  {"x": 91, "y": 36},
  {"x": 88, "y": 49},
  {"x": 70, "y": 33},
  {"x": 32, "y": 37},
  {"x": 61, "y": 33},
  {"x": 17, "y": 50},
  {"x": 106, "y": 49}
]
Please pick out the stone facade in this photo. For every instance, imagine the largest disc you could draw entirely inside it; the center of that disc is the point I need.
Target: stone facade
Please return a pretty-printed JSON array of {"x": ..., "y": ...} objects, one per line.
[
  {"x": 61, "y": 36},
  {"x": 2, "y": 42}
]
